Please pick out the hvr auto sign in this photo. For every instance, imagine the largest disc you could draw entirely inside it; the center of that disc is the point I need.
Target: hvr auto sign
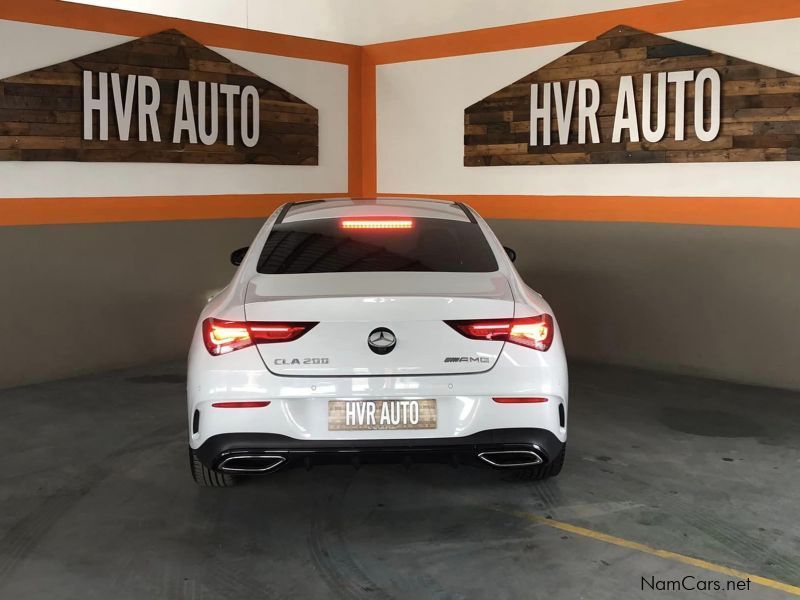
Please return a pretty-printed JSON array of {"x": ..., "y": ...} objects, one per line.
[
  {"x": 634, "y": 106},
  {"x": 144, "y": 93}
]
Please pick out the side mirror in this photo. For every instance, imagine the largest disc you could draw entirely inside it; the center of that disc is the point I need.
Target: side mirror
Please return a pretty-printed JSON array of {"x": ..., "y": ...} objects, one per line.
[
  {"x": 237, "y": 256},
  {"x": 511, "y": 253}
]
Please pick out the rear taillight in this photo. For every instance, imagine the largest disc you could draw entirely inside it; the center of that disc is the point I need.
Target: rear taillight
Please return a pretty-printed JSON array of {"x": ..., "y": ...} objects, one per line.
[
  {"x": 531, "y": 332},
  {"x": 221, "y": 337}
]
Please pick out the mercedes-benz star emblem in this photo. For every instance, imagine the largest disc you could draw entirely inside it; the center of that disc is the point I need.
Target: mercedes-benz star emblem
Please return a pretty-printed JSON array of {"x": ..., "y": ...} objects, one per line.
[{"x": 381, "y": 341}]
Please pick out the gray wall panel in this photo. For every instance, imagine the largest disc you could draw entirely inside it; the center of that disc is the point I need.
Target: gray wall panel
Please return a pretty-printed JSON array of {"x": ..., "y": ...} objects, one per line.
[
  {"x": 722, "y": 302},
  {"x": 716, "y": 301},
  {"x": 84, "y": 298}
]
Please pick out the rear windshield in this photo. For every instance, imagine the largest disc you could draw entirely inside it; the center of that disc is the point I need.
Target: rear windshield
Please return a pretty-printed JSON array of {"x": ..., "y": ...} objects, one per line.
[{"x": 323, "y": 246}]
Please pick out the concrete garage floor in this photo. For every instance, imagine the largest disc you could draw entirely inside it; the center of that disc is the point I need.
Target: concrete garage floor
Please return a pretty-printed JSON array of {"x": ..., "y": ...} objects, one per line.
[{"x": 96, "y": 502}]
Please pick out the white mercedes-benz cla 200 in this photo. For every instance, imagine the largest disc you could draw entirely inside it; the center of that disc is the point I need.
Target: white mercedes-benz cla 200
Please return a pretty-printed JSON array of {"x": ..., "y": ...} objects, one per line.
[{"x": 375, "y": 330}]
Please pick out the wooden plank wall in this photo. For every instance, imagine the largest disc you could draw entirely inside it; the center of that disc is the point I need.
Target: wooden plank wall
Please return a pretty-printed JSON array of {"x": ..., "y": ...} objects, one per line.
[
  {"x": 760, "y": 108},
  {"x": 41, "y": 111}
]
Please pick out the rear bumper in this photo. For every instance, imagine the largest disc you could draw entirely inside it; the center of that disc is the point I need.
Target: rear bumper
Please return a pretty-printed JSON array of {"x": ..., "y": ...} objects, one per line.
[
  {"x": 265, "y": 452},
  {"x": 299, "y": 408}
]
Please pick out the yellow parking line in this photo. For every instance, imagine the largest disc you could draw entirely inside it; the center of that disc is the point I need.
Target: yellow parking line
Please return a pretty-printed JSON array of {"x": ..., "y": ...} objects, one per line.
[{"x": 688, "y": 560}]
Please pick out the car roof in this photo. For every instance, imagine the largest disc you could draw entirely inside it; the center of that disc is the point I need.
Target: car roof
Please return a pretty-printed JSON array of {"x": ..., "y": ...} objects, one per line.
[{"x": 375, "y": 207}]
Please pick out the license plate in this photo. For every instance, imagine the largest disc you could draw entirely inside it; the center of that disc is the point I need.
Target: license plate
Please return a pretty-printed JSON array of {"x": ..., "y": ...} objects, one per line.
[{"x": 357, "y": 415}]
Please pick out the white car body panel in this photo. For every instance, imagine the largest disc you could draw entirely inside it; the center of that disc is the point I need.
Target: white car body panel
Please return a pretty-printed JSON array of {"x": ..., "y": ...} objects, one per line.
[
  {"x": 412, "y": 307},
  {"x": 347, "y": 307}
]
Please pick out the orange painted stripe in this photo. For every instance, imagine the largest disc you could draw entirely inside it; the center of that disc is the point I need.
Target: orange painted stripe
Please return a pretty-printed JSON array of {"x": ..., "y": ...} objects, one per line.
[
  {"x": 741, "y": 212},
  {"x": 369, "y": 107},
  {"x": 50, "y": 211},
  {"x": 109, "y": 20},
  {"x": 657, "y": 18},
  {"x": 355, "y": 140}
]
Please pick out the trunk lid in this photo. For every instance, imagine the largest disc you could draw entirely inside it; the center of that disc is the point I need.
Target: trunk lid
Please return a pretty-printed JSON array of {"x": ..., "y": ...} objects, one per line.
[{"x": 412, "y": 307}]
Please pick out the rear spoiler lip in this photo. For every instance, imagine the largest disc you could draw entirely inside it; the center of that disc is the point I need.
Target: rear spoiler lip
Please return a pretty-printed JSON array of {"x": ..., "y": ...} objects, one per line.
[
  {"x": 288, "y": 206},
  {"x": 281, "y": 215},
  {"x": 467, "y": 211}
]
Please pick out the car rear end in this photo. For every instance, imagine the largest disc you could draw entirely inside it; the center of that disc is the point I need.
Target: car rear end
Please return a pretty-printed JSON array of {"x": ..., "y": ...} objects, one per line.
[{"x": 376, "y": 330}]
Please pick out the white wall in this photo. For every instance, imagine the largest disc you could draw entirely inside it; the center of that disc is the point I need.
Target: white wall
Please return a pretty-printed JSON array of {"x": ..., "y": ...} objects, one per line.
[
  {"x": 420, "y": 128},
  {"x": 324, "y": 85}
]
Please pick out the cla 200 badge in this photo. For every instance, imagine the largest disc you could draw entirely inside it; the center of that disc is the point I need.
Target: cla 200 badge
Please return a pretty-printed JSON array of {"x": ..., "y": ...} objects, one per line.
[{"x": 301, "y": 361}]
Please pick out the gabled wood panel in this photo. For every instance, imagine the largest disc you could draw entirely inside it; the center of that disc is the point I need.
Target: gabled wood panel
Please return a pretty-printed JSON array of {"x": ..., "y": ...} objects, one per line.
[
  {"x": 760, "y": 108},
  {"x": 41, "y": 111}
]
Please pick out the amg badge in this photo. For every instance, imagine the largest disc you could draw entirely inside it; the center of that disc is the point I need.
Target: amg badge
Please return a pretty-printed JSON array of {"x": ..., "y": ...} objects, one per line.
[{"x": 467, "y": 359}]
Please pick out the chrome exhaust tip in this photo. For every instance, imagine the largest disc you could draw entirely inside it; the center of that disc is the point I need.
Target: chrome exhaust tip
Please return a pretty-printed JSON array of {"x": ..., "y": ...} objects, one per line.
[
  {"x": 251, "y": 463},
  {"x": 511, "y": 458}
]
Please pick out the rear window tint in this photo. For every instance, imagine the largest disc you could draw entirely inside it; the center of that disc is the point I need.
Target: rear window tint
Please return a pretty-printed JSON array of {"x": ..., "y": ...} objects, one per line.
[{"x": 322, "y": 246}]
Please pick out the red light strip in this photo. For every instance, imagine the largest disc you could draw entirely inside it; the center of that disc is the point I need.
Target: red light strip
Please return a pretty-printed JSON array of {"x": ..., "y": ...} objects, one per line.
[
  {"x": 519, "y": 400},
  {"x": 377, "y": 223},
  {"x": 248, "y": 404},
  {"x": 499, "y": 327}
]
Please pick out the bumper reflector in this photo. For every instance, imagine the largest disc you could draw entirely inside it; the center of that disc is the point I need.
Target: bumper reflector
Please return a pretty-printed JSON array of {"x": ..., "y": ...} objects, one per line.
[
  {"x": 249, "y": 404},
  {"x": 519, "y": 400}
]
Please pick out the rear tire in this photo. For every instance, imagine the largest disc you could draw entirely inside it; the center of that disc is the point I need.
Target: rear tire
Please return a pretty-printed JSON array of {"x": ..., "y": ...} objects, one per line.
[
  {"x": 540, "y": 472},
  {"x": 205, "y": 477}
]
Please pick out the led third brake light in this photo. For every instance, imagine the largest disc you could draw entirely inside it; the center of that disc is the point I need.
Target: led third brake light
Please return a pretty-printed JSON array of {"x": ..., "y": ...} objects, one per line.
[
  {"x": 221, "y": 337},
  {"x": 376, "y": 223},
  {"x": 531, "y": 332}
]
